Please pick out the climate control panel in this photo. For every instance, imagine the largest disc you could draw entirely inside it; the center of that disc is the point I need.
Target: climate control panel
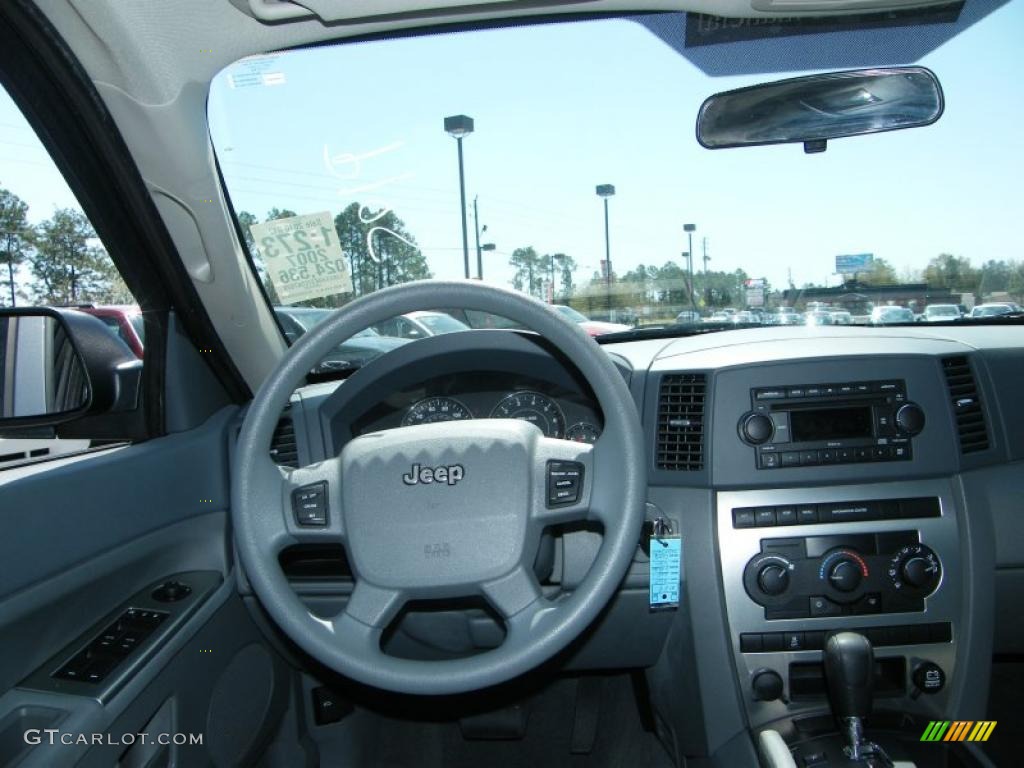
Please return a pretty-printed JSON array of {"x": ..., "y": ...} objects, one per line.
[{"x": 843, "y": 575}]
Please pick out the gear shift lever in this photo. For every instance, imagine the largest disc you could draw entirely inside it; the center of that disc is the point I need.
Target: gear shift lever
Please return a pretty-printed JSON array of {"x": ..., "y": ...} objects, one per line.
[{"x": 850, "y": 672}]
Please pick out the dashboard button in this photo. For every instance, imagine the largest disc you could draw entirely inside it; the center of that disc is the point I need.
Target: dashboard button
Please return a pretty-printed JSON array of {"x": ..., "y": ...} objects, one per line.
[
  {"x": 806, "y": 514},
  {"x": 769, "y": 394},
  {"x": 565, "y": 480},
  {"x": 846, "y": 512},
  {"x": 764, "y": 516},
  {"x": 918, "y": 634},
  {"x": 941, "y": 632},
  {"x": 828, "y": 457},
  {"x": 769, "y": 460},
  {"x": 870, "y": 603},
  {"x": 743, "y": 518},
  {"x": 822, "y": 606},
  {"x": 814, "y": 641},
  {"x": 750, "y": 642},
  {"x": 790, "y": 459},
  {"x": 845, "y": 455},
  {"x": 793, "y": 641},
  {"x": 796, "y": 392},
  {"x": 785, "y": 516},
  {"x": 309, "y": 504},
  {"x": 773, "y": 641},
  {"x": 809, "y": 458}
]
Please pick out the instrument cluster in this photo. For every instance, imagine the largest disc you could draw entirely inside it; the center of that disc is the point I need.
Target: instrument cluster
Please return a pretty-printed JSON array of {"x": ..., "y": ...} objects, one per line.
[{"x": 557, "y": 412}]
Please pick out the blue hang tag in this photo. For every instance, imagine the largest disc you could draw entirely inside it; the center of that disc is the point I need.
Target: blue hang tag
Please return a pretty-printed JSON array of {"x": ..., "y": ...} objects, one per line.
[{"x": 666, "y": 563}]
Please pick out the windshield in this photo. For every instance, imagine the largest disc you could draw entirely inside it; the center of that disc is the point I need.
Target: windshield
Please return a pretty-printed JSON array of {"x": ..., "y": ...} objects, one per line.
[
  {"x": 440, "y": 323},
  {"x": 585, "y": 187}
]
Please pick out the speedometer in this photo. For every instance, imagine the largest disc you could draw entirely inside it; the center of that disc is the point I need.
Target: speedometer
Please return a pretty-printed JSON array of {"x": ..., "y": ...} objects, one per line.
[
  {"x": 532, "y": 407},
  {"x": 433, "y": 409}
]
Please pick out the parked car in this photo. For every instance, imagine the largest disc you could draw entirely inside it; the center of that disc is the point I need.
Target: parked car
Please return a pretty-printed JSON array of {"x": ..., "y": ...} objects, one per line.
[
  {"x": 745, "y": 318},
  {"x": 786, "y": 316},
  {"x": 818, "y": 317},
  {"x": 353, "y": 353},
  {"x": 938, "y": 313},
  {"x": 688, "y": 317},
  {"x": 890, "y": 315},
  {"x": 719, "y": 316},
  {"x": 841, "y": 317},
  {"x": 592, "y": 327},
  {"x": 994, "y": 309},
  {"x": 420, "y": 325},
  {"x": 124, "y": 321}
]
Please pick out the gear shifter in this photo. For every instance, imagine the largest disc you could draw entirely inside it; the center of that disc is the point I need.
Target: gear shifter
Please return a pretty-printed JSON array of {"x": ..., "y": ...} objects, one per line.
[{"x": 850, "y": 672}]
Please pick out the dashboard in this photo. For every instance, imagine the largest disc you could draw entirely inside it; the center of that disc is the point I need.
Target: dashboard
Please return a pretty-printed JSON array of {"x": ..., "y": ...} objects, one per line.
[{"x": 821, "y": 479}]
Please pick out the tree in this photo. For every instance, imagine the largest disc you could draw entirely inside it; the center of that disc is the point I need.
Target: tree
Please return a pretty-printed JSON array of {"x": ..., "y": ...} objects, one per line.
[
  {"x": 1015, "y": 286},
  {"x": 529, "y": 275},
  {"x": 995, "y": 277},
  {"x": 562, "y": 268},
  {"x": 381, "y": 251},
  {"x": 14, "y": 238},
  {"x": 952, "y": 272},
  {"x": 68, "y": 267},
  {"x": 880, "y": 273}
]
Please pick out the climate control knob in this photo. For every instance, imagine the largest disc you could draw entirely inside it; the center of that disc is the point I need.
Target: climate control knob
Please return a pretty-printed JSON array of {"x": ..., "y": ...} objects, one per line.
[
  {"x": 756, "y": 428},
  {"x": 916, "y": 568},
  {"x": 909, "y": 419},
  {"x": 773, "y": 579},
  {"x": 845, "y": 575}
]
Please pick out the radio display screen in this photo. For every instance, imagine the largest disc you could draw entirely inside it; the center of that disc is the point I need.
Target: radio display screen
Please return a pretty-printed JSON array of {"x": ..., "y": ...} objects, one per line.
[{"x": 816, "y": 424}]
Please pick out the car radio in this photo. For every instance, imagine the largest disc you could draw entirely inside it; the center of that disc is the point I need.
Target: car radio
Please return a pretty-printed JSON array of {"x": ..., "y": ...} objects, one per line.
[{"x": 807, "y": 425}]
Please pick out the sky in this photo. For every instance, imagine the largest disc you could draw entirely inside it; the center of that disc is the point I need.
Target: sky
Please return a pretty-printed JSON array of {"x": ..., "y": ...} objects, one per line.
[{"x": 561, "y": 108}]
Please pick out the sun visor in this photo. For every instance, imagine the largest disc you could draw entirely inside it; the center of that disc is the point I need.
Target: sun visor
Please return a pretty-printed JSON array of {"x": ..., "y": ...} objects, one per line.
[{"x": 722, "y": 47}]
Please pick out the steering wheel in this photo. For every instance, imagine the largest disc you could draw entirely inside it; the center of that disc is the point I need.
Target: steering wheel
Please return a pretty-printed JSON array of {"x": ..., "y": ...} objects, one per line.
[{"x": 443, "y": 510}]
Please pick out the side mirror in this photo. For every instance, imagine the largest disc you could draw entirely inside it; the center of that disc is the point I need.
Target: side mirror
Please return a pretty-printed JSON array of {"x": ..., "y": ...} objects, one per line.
[{"x": 60, "y": 365}]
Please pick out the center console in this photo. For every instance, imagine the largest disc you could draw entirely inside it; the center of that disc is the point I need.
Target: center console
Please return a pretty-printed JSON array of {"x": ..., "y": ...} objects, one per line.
[{"x": 801, "y": 564}]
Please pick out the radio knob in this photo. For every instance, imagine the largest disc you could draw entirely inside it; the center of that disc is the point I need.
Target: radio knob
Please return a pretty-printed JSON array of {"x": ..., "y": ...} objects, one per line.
[
  {"x": 773, "y": 579},
  {"x": 845, "y": 576},
  {"x": 910, "y": 419},
  {"x": 756, "y": 428}
]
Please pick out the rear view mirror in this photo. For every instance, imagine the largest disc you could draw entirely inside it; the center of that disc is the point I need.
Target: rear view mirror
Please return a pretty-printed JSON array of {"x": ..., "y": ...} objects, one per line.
[
  {"x": 60, "y": 365},
  {"x": 816, "y": 108}
]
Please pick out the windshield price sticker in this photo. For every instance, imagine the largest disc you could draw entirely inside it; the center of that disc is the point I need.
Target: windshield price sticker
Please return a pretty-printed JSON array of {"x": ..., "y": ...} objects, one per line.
[
  {"x": 666, "y": 568},
  {"x": 303, "y": 257}
]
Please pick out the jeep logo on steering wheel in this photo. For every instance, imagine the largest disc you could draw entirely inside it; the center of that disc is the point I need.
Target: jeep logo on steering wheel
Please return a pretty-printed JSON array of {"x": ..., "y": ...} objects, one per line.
[{"x": 450, "y": 474}]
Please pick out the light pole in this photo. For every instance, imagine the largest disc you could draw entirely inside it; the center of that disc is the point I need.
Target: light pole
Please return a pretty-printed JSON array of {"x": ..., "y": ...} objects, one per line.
[
  {"x": 604, "y": 191},
  {"x": 479, "y": 248},
  {"x": 707, "y": 288},
  {"x": 458, "y": 127},
  {"x": 689, "y": 229}
]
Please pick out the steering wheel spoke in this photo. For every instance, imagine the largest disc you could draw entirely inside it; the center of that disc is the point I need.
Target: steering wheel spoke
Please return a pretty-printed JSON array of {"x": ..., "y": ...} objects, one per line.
[
  {"x": 360, "y": 625},
  {"x": 517, "y": 596}
]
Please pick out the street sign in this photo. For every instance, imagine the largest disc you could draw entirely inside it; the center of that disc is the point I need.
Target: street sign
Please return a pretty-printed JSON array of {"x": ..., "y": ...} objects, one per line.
[
  {"x": 755, "y": 297},
  {"x": 851, "y": 263},
  {"x": 755, "y": 282}
]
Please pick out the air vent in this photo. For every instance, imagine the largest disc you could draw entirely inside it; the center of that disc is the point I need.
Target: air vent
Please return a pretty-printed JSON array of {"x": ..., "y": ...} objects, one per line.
[
  {"x": 963, "y": 394},
  {"x": 283, "y": 448},
  {"x": 681, "y": 422}
]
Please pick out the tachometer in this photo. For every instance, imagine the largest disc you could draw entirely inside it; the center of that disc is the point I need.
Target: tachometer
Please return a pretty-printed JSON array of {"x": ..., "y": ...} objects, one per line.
[
  {"x": 532, "y": 407},
  {"x": 432, "y": 409},
  {"x": 583, "y": 432}
]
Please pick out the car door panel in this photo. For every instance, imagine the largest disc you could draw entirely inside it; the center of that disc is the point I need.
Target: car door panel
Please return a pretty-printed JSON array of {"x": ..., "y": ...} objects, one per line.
[{"x": 83, "y": 536}]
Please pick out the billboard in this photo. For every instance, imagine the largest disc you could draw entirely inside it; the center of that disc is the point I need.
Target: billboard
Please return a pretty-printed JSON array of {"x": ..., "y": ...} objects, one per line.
[{"x": 851, "y": 263}]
